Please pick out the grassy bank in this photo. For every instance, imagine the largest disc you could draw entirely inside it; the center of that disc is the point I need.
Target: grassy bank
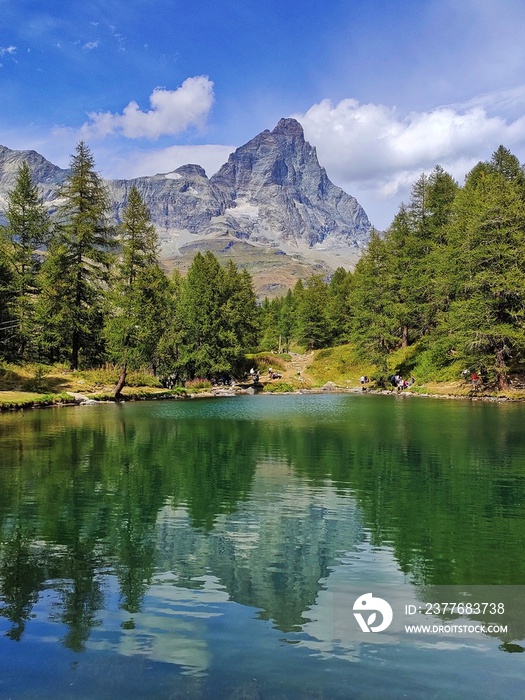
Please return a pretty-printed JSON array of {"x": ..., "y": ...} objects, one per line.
[
  {"x": 342, "y": 367},
  {"x": 10, "y": 400}
]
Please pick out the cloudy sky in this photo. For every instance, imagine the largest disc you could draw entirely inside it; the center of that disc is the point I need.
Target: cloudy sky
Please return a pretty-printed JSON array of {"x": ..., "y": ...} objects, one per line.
[{"x": 384, "y": 89}]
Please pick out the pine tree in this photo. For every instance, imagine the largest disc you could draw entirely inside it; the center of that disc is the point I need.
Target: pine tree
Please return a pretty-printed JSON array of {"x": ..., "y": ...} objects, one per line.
[
  {"x": 201, "y": 319},
  {"x": 77, "y": 264},
  {"x": 137, "y": 303},
  {"x": 217, "y": 320},
  {"x": 170, "y": 347},
  {"x": 240, "y": 313},
  {"x": 484, "y": 324},
  {"x": 28, "y": 228},
  {"x": 415, "y": 243},
  {"x": 338, "y": 311},
  {"x": 441, "y": 193},
  {"x": 270, "y": 316},
  {"x": 312, "y": 325},
  {"x": 8, "y": 321},
  {"x": 286, "y": 322},
  {"x": 374, "y": 322},
  {"x": 506, "y": 163}
]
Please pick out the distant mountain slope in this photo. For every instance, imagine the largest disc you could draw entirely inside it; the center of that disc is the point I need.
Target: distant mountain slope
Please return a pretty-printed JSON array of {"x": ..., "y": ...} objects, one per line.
[{"x": 271, "y": 208}]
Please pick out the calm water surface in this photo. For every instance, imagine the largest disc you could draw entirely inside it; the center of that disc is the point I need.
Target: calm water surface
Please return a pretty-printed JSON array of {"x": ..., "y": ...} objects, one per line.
[{"x": 215, "y": 548}]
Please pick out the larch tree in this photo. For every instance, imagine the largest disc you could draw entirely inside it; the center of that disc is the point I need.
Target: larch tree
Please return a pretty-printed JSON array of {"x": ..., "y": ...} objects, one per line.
[
  {"x": 76, "y": 270},
  {"x": 312, "y": 325},
  {"x": 484, "y": 323},
  {"x": 8, "y": 322},
  {"x": 27, "y": 230},
  {"x": 338, "y": 310},
  {"x": 374, "y": 322},
  {"x": 217, "y": 317},
  {"x": 137, "y": 302}
]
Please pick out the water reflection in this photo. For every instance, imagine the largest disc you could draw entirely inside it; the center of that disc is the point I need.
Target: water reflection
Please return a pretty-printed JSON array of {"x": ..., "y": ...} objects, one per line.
[{"x": 139, "y": 528}]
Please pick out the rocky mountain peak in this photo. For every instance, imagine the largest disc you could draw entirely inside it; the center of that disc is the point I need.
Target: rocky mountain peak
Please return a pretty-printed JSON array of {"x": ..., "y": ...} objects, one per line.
[
  {"x": 275, "y": 189},
  {"x": 191, "y": 170},
  {"x": 289, "y": 129}
]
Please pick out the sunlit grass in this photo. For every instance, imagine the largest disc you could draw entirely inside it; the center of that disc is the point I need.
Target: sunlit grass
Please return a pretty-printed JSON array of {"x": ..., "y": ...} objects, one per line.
[{"x": 341, "y": 365}]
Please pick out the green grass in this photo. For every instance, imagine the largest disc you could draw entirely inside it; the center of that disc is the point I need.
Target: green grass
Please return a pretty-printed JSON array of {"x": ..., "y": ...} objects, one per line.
[
  {"x": 197, "y": 384},
  {"x": 108, "y": 375},
  {"x": 420, "y": 361},
  {"x": 279, "y": 388},
  {"x": 341, "y": 365},
  {"x": 129, "y": 395},
  {"x": 24, "y": 399},
  {"x": 263, "y": 360},
  {"x": 58, "y": 378}
]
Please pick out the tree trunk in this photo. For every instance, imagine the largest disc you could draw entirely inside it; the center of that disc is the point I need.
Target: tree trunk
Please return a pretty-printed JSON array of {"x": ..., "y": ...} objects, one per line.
[
  {"x": 121, "y": 381},
  {"x": 404, "y": 338},
  {"x": 502, "y": 378},
  {"x": 75, "y": 346},
  {"x": 503, "y": 381}
]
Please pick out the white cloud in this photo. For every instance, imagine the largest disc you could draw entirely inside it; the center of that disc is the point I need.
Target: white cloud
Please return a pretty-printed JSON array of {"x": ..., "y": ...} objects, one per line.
[
  {"x": 373, "y": 150},
  {"x": 139, "y": 163},
  {"x": 90, "y": 45},
  {"x": 172, "y": 111},
  {"x": 7, "y": 50}
]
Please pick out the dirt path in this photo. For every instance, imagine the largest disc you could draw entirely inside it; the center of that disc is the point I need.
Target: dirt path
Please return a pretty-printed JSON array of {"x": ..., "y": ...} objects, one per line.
[{"x": 298, "y": 365}]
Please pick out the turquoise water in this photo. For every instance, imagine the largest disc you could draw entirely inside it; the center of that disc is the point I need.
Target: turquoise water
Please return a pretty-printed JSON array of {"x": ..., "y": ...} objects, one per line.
[{"x": 216, "y": 548}]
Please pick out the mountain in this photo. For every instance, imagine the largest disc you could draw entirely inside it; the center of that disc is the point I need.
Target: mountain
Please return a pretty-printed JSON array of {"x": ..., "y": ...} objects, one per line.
[
  {"x": 271, "y": 208},
  {"x": 45, "y": 174}
]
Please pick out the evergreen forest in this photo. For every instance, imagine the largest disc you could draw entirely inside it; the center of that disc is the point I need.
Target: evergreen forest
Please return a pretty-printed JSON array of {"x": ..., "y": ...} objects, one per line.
[{"x": 440, "y": 292}]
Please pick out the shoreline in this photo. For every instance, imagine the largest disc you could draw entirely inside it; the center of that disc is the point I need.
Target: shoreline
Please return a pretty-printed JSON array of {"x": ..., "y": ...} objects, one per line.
[{"x": 78, "y": 399}]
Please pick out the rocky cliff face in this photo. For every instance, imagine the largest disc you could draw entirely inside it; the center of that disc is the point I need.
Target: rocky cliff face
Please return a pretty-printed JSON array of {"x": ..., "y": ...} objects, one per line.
[
  {"x": 276, "y": 190},
  {"x": 271, "y": 208},
  {"x": 45, "y": 174}
]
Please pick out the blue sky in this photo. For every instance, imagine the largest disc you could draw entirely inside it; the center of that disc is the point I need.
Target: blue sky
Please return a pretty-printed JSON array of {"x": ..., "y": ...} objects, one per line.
[{"x": 385, "y": 89}]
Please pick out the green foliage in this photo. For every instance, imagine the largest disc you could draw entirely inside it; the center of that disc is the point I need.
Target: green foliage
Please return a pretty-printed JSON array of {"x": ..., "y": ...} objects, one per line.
[
  {"x": 76, "y": 269},
  {"x": 313, "y": 330},
  {"x": 280, "y": 388},
  {"x": 449, "y": 271},
  {"x": 342, "y": 364},
  {"x": 197, "y": 384},
  {"x": 215, "y": 321},
  {"x": 27, "y": 230},
  {"x": 484, "y": 321},
  {"x": 263, "y": 360},
  {"x": 37, "y": 383},
  {"x": 138, "y": 302},
  {"x": 375, "y": 323}
]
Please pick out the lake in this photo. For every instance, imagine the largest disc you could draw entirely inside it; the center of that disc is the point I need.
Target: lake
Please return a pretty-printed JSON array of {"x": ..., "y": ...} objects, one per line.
[{"x": 314, "y": 547}]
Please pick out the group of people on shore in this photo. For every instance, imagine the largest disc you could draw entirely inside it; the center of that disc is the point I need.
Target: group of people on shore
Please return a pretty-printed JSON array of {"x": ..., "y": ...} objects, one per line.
[{"x": 401, "y": 384}]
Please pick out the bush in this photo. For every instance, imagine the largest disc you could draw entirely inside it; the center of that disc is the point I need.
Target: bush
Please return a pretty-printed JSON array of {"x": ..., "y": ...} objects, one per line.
[
  {"x": 263, "y": 360},
  {"x": 37, "y": 383},
  {"x": 197, "y": 384},
  {"x": 148, "y": 395},
  {"x": 279, "y": 388},
  {"x": 142, "y": 379}
]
